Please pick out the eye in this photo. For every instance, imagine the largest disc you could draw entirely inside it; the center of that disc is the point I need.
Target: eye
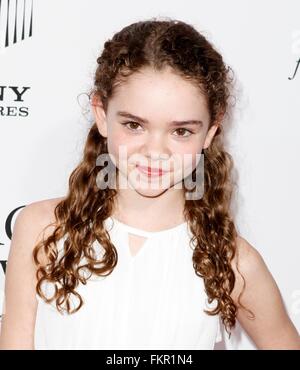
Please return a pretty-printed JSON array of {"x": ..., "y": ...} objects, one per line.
[
  {"x": 185, "y": 130},
  {"x": 132, "y": 123}
]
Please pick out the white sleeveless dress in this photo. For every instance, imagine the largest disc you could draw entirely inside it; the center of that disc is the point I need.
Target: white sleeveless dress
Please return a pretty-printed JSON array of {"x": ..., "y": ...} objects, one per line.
[{"x": 153, "y": 300}]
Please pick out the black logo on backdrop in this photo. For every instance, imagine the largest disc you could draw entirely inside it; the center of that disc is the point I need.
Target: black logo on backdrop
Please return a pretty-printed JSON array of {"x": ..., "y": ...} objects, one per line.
[
  {"x": 8, "y": 231},
  {"x": 296, "y": 69},
  {"x": 17, "y": 18},
  {"x": 16, "y": 96}
]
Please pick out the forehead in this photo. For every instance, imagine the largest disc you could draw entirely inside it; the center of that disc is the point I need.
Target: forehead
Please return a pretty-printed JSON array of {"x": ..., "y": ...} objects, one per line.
[{"x": 149, "y": 93}]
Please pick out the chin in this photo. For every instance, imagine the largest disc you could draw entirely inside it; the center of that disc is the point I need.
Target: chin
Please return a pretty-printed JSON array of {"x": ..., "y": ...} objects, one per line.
[{"x": 150, "y": 193}]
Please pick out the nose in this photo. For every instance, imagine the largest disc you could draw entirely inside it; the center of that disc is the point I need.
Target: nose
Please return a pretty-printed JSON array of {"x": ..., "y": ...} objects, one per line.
[{"x": 155, "y": 148}]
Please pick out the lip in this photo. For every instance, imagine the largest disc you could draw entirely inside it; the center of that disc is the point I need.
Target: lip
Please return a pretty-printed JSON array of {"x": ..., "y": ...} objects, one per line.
[{"x": 151, "y": 171}]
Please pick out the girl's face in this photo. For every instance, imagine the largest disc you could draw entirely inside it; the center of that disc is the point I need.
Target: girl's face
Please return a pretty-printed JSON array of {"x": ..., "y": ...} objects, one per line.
[{"x": 157, "y": 120}]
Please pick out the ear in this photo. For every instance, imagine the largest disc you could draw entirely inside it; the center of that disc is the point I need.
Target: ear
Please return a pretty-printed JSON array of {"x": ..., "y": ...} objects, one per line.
[
  {"x": 210, "y": 134},
  {"x": 99, "y": 114}
]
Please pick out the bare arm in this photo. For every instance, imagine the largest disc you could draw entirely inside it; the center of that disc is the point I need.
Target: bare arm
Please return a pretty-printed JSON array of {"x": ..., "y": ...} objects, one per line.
[
  {"x": 272, "y": 327},
  {"x": 19, "y": 311}
]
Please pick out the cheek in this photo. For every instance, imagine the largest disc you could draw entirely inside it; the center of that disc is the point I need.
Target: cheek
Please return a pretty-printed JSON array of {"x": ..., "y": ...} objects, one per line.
[
  {"x": 188, "y": 154},
  {"x": 120, "y": 147},
  {"x": 190, "y": 147},
  {"x": 118, "y": 141},
  {"x": 193, "y": 144}
]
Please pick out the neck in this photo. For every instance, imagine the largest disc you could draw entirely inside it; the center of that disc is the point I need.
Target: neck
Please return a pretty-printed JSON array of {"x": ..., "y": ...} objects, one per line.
[{"x": 163, "y": 211}]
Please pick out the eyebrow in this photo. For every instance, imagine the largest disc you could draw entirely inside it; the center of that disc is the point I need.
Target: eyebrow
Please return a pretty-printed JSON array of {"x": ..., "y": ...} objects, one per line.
[{"x": 173, "y": 123}]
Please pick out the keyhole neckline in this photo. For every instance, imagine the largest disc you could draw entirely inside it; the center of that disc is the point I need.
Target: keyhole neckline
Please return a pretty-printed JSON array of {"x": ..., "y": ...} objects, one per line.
[{"x": 147, "y": 234}]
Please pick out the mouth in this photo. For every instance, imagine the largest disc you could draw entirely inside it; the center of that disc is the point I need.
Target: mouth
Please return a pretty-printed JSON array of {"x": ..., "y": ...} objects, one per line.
[{"x": 151, "y": 171}]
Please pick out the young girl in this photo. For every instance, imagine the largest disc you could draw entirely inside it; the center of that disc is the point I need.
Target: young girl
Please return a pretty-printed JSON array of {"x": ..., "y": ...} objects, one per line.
[{"x": 143, "y": 253}]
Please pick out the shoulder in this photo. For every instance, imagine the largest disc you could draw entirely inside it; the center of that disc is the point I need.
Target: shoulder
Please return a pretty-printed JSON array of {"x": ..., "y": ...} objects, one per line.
[
  {"x": 42, "y": 208},
  {"x": 247, "y": 256},
  {"x": 257, "y": 293},
  {"x": 248, "y": 266},
  {"x": 34, "y": 222},
  {"x": 37, "y": 214},
  {"x": 19, "y": 307}
]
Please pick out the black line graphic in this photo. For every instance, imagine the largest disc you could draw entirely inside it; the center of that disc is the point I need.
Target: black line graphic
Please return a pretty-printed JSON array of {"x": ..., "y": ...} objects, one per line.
[
  {"x": 31, "y": 16},
  {"x": 23, "y": 29},
  {"x": 16, "y": 24},
  {"x": 0, "y": 13},
  {"x": 16, "y": 16},
  {"x": 7, "y": 22}
]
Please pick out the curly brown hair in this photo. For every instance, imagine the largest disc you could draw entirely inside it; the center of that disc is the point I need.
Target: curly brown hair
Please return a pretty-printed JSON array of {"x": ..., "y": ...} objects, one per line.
[{"x": 80, "y": 215}]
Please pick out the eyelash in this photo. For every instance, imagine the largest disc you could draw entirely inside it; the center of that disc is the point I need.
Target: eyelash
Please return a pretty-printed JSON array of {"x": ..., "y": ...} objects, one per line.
[{"x": 181, "y": 128}]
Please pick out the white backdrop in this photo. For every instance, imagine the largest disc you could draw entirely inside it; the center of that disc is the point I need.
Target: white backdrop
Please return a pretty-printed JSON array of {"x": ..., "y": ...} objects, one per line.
[{"x": 42, "y": 135}]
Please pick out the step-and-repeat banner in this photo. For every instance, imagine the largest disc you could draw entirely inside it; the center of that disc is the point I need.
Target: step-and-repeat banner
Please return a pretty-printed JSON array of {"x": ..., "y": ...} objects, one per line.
[{"x": 48, "y": 52}]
